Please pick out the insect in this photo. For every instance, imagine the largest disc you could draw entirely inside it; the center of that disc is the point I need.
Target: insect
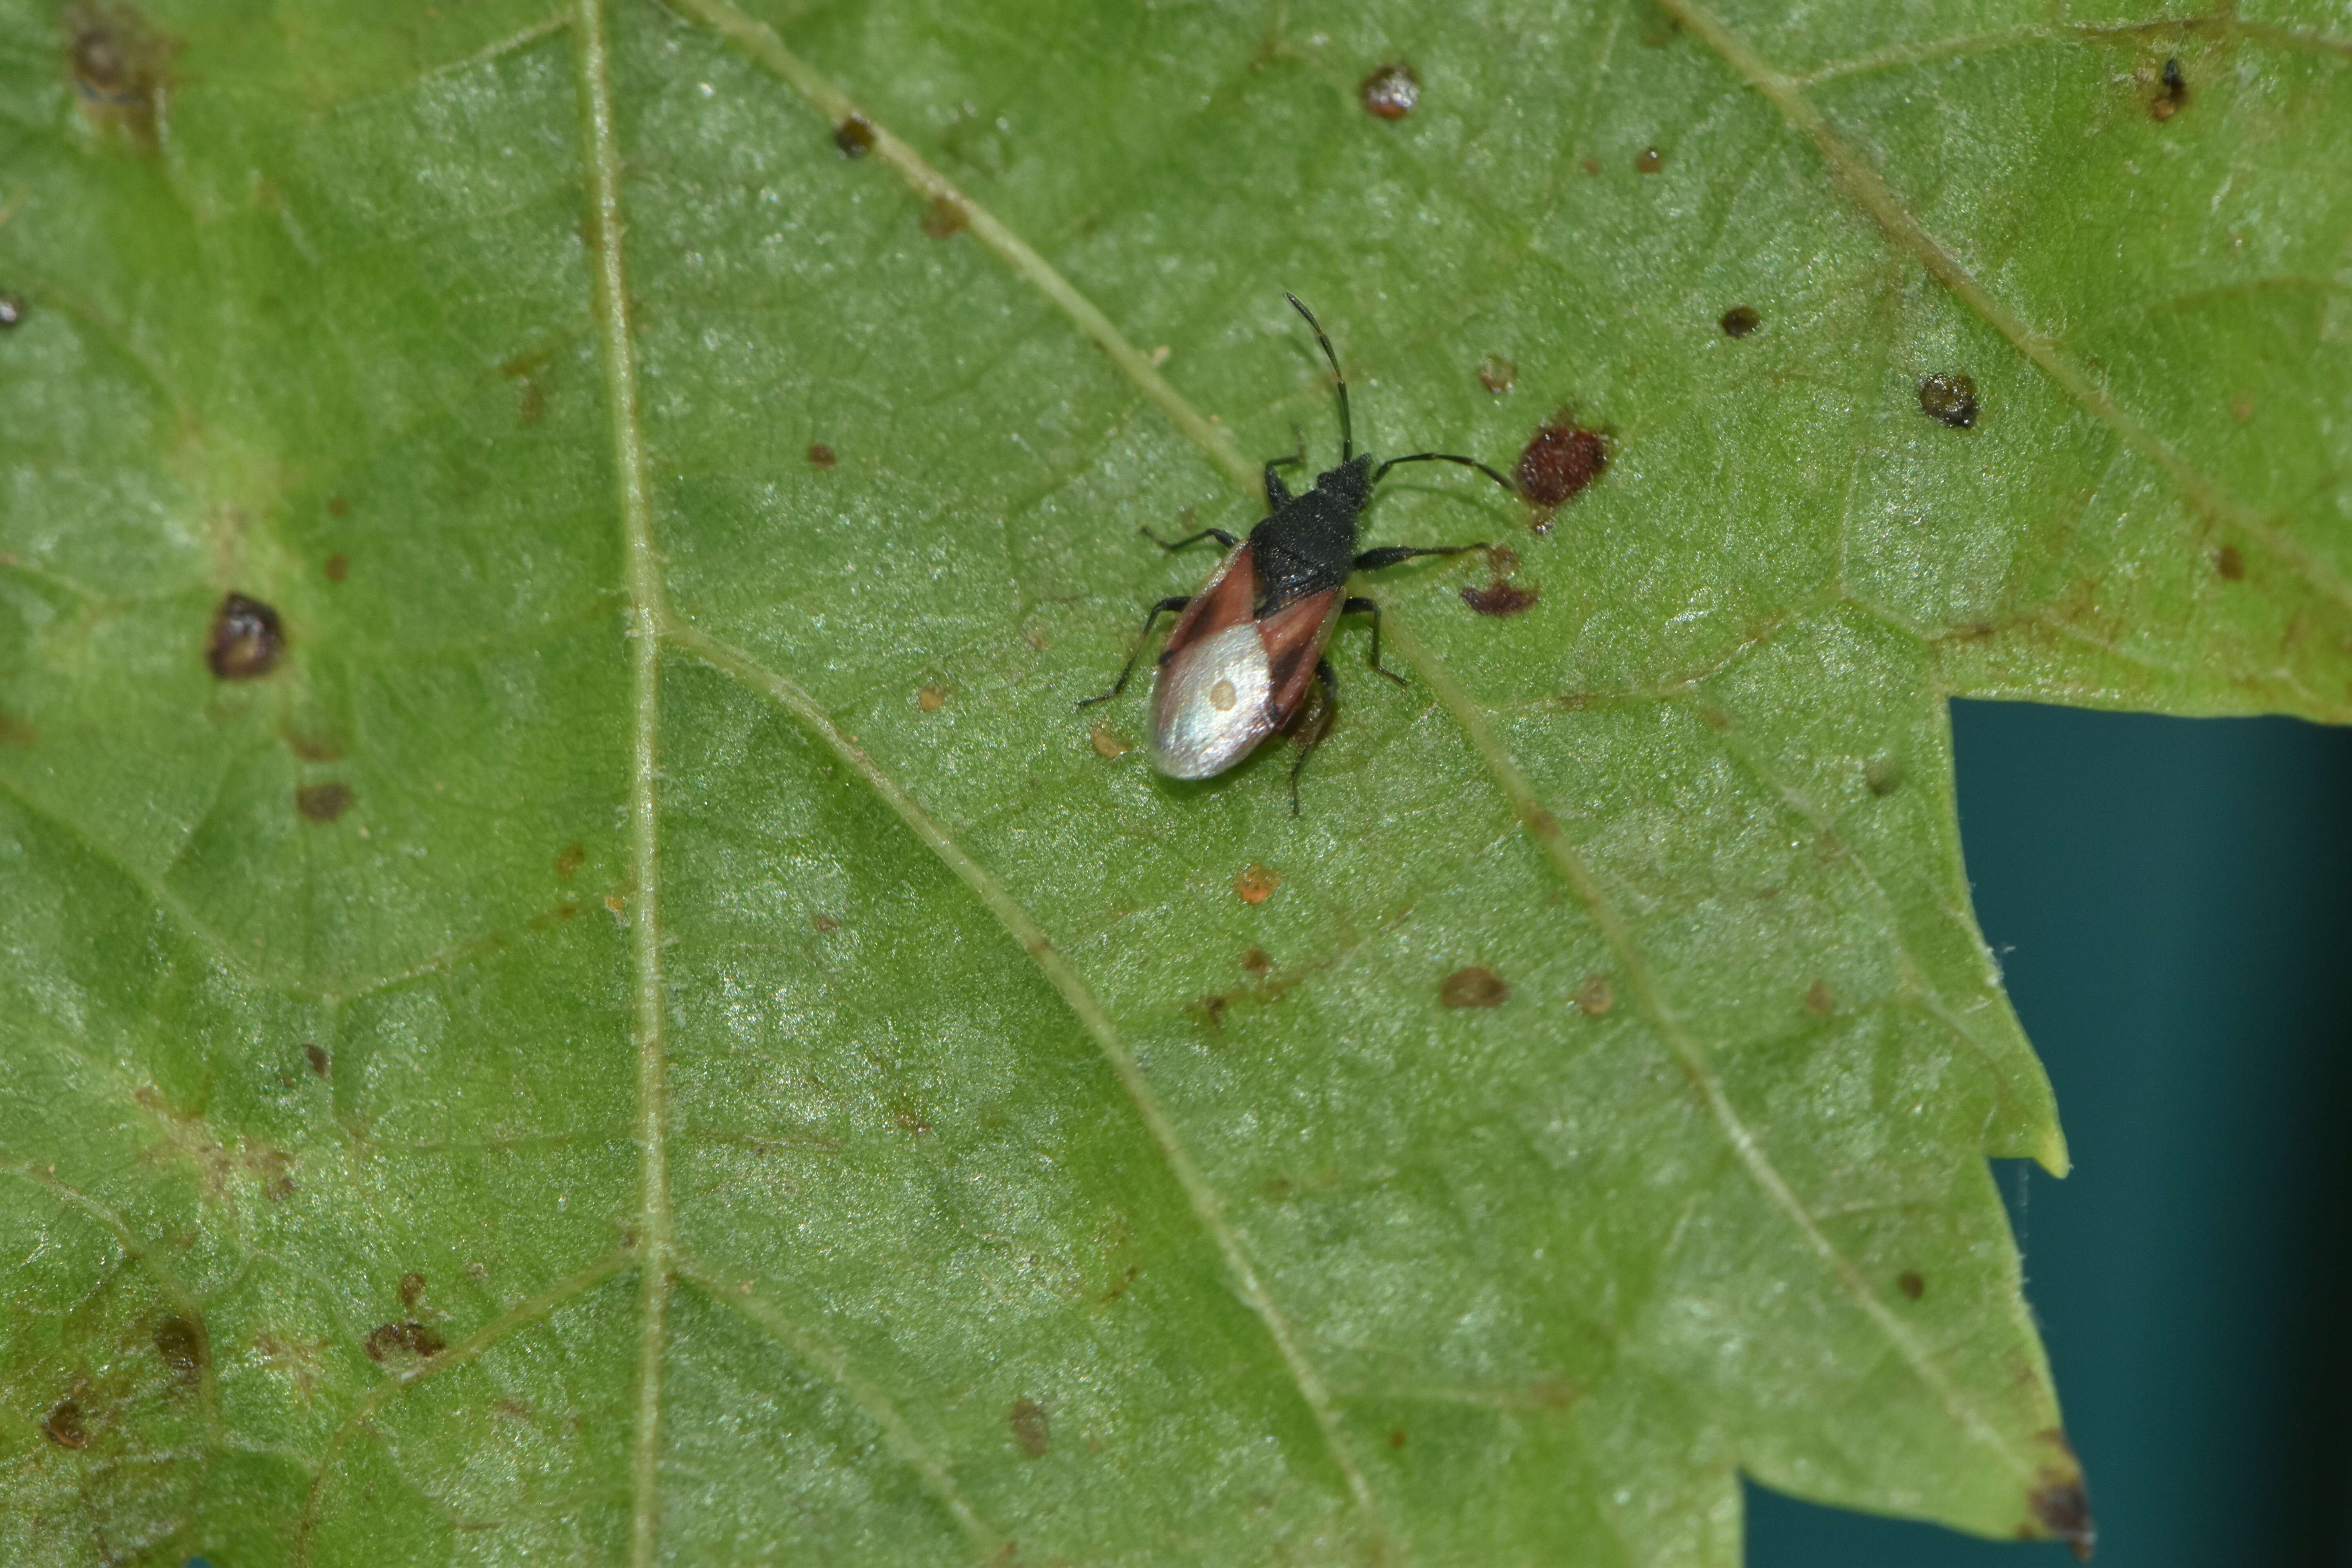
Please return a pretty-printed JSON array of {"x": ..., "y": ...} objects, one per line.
[{"x": 1248, "y": 648}]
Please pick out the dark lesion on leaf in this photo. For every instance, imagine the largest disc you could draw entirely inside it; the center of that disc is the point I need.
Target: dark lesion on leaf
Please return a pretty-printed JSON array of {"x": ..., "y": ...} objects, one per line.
[
  {"x": 1949, "y": 399},
  {"x": 411, "y": 1339},
  {"x": 247, "y": 639},
  {"x": 945, "y": 217},
  {"x": 1475, "y": 986},
  {"x": 1031, "y": 1430},
  {"x": 1391, "y": 92},
  {"x": 530, "y": 373},
  {"x": 64, "y": 1426},
  {"x": 180, "y": 1344},
  {"x": 2062, "y": 1508},
  {"x": 118, "y": 64},
  {"x": 1501, "y": 596},
  {"x": 1561, "y": 460},
  {"x": 323, "y": 801}
]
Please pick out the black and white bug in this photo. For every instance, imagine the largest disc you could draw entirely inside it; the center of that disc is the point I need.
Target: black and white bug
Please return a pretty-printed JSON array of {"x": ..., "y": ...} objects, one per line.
[{"x": 1239, "y": 664}]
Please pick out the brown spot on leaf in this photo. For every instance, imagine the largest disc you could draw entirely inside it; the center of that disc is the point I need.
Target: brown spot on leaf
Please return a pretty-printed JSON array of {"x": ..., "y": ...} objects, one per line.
[
  {"x": 930, "y": 699},
  {"x": 1739, "y": 320},
  {"x": 911, "y": 1118},
  {"x": 1883, "y": 775},
  {"x": 1497, "y": 374},
  {"x": 1911, "y": 1284},
  {"x": 529, "y": 372},
  {"x": 1472, "y": 987},
  {"x": 944, "y": 217},
  {"x": 2227, "y": 561},
  {"x": 2243, "y": 410},
  {"x": 821, "y": 455},
  {"x": 1596, "y": 996},
  {"x": 2063, "y": 1507},
  {"x": 247, "y": 639},
  {"x": 1254, "y": 884},
  {"x": 412, "y": 1287},
  {"x": 339, "y": 566},
  {"x": 64, "y": 1426},
  {"x": 1255, "y": 960},
  {"x": 1213, "y": 1009},
  {"x": 118, "y": 64},
  {"x": 1027, "y": 1420},
  {"x": 1499, "y": 596},
  {"x": 14, "y": 731},
  {"x": 1951, "y": 399},
  {"x": 337, "y": 506},
  {"x": 853, "y": 137},
  {"x": 1591, "y": 165},
  {"x": 317, "y": 1056},
  {"x": 1556, "y": 464},
  {"x": 1391, "y": 91},
  {"x": 12, "y": 310},
  {"x": 569, "y": 858},
  {"x": 411, "y": 1339},
  {"x": 1118, "y": 1285},
  {"x": 180, "y": 1345},
  {"x": 323, "y": 801},
  {"x": 1396, "y": 1438},
  {"x": 1649, "y": 161},
  {"x": 825, "y": 925},
  {"x": 1820, "y": 1001}
]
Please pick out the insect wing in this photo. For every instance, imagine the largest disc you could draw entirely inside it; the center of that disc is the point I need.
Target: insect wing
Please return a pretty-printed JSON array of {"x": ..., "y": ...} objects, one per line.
[
  {"x": 1294, "y": 637},
  {"x": 1210, "y": 697}
]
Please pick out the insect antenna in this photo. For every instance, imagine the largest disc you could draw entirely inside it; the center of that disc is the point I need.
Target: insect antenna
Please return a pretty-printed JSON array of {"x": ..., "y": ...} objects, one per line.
[
  {"x": 1346, "y": 430},
  {"x": 1445, "y": 458}
]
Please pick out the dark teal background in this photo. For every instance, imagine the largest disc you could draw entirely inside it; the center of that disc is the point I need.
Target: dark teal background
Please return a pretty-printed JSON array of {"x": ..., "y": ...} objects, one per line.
[{"x": 2172, "y": 900}]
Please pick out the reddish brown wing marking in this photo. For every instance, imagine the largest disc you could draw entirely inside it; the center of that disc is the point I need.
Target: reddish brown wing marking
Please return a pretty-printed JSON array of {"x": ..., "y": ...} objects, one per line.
[
  {"x": 1230, "y": 599},
  {"x": 1294, "y": 637}
]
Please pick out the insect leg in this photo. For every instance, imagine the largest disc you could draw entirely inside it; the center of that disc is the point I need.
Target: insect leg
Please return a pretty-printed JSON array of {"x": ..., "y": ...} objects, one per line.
[
  {"x": 1389, "y": 555},
  {"x": 1219, "y": 535},
  {"x": 1277, "y": 492},
  {"x": 1315, "y": 724},
  {"x": 1175, "y": 606},
  {"x": 1372, "y": 607}
]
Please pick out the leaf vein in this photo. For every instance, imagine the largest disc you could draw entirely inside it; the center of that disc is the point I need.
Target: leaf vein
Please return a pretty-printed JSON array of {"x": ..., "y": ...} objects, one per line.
[
  {"x": 601, "y": 156},
  {"x": 829, "y": 1360},
  {"x": 1080, "y": 999}
]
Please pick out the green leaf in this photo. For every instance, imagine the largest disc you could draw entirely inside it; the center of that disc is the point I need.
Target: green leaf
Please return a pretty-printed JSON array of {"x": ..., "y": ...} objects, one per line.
[{"x": 643, "y": 1025}]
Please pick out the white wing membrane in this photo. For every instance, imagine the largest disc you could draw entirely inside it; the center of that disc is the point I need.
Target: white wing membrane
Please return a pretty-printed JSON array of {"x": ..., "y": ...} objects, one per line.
[{"x": 1211, "y": 706}]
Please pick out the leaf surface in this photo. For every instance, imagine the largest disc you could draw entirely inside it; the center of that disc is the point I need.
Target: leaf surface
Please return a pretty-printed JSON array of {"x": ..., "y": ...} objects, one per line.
[{"x": 638, "y": 1023}]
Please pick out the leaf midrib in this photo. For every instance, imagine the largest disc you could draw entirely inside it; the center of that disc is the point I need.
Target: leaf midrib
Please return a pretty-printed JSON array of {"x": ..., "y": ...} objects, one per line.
[{"x": 601, "y": 156}]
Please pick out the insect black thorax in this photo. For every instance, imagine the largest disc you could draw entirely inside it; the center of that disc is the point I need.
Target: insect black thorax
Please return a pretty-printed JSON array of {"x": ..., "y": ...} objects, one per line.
[{"x": 1308, "y": 543}]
